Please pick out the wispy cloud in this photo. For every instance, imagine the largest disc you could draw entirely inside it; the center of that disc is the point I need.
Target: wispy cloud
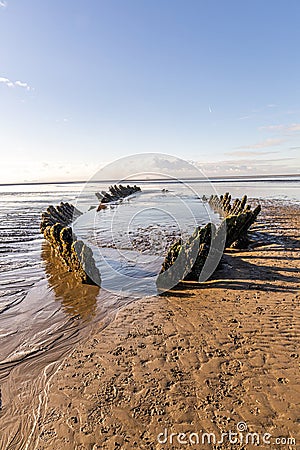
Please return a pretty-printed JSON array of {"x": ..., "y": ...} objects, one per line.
[
  {"x": 256, "y": 111},
  {"x": 244, "y": 117},
  {"x": 292, "y": 111},
  {"x": 281, "y": 127},
  {"x": 6, "y": 81},
  {"x": 9, "y": 83},
  {"x": 294, "y": 127},
  {"x": 23, "y": 84},
  {"x": 245, "y": 153},
  {"x": 3, "y": 4},
  {"x": 272, "y": 127},
  {"x": 263, "y": 144},
  {"x": 249, "y": 167}
]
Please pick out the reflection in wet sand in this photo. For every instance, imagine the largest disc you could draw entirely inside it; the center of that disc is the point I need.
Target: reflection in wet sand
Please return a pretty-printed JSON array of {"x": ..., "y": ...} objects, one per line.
[
  {"x": 77, "y": 299},
  {"x": 54, "y": 316}
]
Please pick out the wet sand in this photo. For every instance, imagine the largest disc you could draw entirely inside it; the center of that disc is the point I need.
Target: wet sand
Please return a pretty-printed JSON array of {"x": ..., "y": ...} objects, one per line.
[{"x": 199, "y": 359}]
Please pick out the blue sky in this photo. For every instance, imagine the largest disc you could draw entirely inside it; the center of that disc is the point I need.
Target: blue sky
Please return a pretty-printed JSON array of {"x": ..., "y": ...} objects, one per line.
[{"x": 85, "y": 83}]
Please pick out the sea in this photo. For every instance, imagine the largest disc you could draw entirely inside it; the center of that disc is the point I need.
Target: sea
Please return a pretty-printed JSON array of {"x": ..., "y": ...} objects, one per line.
[{"x": 45, "y": 311}]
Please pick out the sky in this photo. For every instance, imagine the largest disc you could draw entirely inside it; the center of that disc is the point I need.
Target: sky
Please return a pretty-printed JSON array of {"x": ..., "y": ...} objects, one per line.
[{"x": 83, "y": 84}]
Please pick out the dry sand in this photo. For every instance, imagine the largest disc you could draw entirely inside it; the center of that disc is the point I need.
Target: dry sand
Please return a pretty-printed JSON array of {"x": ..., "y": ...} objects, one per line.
[{"x": 200, "y": 359}]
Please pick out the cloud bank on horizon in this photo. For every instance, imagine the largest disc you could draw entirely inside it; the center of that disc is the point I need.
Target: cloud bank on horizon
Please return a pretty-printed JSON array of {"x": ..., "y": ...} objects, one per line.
[{"x": 145, "y": 166}]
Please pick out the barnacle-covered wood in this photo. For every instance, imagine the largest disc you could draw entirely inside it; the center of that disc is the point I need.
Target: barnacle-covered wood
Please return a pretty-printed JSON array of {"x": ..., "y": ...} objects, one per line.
[
  {"x": 238, "y": 218},
  {"x": 76, "y": 255},
  {"x": 225, "y": 207},
  {"x": 237, "y": 226},
  {"x": 185, "y": 260},
  {"x": 64, "y": 213}
]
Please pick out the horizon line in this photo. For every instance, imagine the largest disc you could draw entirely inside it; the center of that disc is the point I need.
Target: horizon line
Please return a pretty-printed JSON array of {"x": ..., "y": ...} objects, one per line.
[{"x": 216, "y": 179}]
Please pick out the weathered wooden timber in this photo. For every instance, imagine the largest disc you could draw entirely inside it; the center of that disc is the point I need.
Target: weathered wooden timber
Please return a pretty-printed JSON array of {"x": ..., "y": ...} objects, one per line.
[
  {"x": 64, "y": 214},
  {"x": 224, "y": 207},
  {"x": 76, "y": 255},
  {"x": 114, "y": 193},
  {"x": 185, "y": 261},
  {"x": 238, "y": 218},
  {"x": 237, "y": 226}
]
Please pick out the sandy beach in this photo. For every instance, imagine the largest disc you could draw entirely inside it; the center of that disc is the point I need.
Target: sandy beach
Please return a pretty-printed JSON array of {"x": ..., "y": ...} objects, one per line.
[{"x": 201, "y": 359}]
